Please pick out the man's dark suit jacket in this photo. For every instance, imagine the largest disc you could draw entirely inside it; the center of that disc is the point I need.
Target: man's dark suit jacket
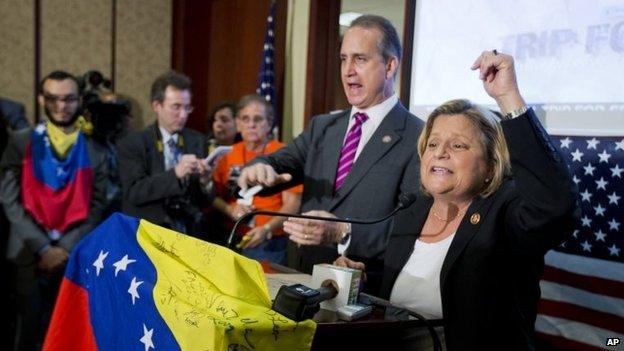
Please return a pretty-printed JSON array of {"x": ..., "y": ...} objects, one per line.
[
  {"x": 490, "y": 277},
  {"x": 145, "y": 183},
  {"x": 387, "y": 166},
  {"x": 13, "y": 114}
]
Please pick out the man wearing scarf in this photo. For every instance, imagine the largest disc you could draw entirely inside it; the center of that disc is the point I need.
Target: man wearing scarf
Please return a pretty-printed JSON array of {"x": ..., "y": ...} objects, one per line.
[{"x": 53, "y": 190}]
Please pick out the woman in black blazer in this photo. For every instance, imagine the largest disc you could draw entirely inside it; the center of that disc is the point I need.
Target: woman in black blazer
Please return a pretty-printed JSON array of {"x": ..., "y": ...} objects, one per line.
[{"x": 497, "y": 197}]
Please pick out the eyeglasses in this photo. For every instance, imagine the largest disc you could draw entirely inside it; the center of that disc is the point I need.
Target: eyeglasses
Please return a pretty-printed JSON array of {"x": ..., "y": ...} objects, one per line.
[
  {"x": 53, "y": 99},
  {"x": 179, "y": 107}
]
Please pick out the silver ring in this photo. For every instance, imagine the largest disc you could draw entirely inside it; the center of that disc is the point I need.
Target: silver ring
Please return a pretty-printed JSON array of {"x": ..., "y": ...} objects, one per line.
[{"x": 495, "y": 52}]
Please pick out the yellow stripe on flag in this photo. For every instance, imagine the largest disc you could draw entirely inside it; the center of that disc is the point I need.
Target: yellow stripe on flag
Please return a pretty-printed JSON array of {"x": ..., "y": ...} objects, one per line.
[{"x": 214, "y": 299}]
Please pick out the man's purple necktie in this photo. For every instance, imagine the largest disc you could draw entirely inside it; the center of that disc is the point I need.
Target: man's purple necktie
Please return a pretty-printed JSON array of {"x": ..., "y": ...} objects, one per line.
[{"x": 347, "y": 153}]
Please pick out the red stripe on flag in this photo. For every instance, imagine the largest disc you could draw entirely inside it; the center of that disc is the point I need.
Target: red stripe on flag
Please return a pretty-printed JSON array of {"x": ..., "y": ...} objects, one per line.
[
  {"x": 588, "y": 283},
  {"x": 581, "y": 314},
  {"x": 70, "y": 327},
  {"x": 561, "y": 343}
]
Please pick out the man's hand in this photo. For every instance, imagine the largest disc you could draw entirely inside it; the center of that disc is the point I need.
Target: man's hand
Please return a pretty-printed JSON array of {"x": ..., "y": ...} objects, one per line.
[
  {"x": 261, "y": 174},
  {"x": 187, "y": 165},
  {"x": 343, "y": 261},
  {"x": 498, "y": 74},
  {"x": 53, "y": 259},
  {"x": 205, "y": 173},
  {"x": 314, "y": 232},
  {"x": 236, "y": 211}
]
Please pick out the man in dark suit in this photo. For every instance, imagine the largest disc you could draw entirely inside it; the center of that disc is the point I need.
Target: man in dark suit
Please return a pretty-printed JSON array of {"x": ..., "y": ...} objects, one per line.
[
  {"x": 160, "y": 167},
  {"x": 13, "y": 114},
  {"x": 354, "y": 163}
]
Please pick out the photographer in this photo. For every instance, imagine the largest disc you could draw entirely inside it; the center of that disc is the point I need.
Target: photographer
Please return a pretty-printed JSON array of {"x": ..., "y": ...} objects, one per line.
[
  {"x": 109, "y": 116},
  {"x": 160, "y": 167}
]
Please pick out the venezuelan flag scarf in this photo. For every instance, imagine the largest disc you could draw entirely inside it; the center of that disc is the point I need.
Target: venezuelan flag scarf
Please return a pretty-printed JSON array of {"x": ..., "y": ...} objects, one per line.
[{"x": 56, "y": 193}]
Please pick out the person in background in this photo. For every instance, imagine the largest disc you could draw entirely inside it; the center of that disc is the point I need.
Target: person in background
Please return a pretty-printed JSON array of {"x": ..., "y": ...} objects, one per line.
[
  {"x": 354, "y": 163},
  {"x": 264, "y": 238},
  {"x": 13, "y": 114},
  {"x": 160, "y": 167},
  {"x": 53, "y": 190},
  {"x": 471, "y": 251},
  {"x": 221, "y": 126}
]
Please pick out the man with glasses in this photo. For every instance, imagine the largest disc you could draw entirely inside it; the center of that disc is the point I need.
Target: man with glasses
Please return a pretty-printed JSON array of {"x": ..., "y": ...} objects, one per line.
[
  {"x": 160, "y": 167},
  {"x": 53, "y": 191}
]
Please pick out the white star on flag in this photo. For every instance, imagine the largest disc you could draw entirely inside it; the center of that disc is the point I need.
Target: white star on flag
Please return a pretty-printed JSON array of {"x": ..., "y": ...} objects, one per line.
[
  {"x": 600, "y": 236},
  {"x": 591, "y": 144},
  {"x": 614, "y": 198},
  {"x": 122, "y": 264},
  {"x": 565, "y": 143},
  {"x": 601, "y": 184},
  {"x": 132, "y": 290},
  {"x": 146, "y": 339},
  {"x": 614, "y": 225},
  {"x": 599, "y": 210},
  {"x": 576, "y": 180},
  {"x": 614, "y": 250},
  {"x": 586, "y": 195},
  {"x": 577, "y": 155},
  {"x": 619, "y": 145},
  {"x": 99, "y": 262},
  {"x": 616, "y": 171},
  {"x": 589, "y": 169},
  {"x": 604, "y": 156},
  {"x": 586, "y": 246},
  {"x": 586, "y": 221}
]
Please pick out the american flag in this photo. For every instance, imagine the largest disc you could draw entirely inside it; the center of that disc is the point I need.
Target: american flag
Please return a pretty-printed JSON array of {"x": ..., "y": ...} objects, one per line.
[
  {"x": 266, "y": 76},
  {"x": 582, "y": 306}
]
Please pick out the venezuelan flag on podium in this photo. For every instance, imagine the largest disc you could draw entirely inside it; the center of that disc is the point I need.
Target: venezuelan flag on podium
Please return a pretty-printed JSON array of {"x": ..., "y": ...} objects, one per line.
[{"x": 132, "y": 285}]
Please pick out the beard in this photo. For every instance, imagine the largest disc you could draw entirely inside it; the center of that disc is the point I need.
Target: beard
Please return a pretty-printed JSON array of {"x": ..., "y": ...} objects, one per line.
[{"x": 61, "y": 124}]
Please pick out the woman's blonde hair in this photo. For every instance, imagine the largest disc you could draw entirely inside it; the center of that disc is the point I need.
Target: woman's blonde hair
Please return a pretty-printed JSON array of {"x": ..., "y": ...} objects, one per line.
[{"x": 492, "y": 138}]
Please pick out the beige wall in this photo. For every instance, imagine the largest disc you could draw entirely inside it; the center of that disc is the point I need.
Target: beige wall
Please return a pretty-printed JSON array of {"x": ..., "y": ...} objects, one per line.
[
  {"x": 17, "y": 58},
  {"x": 77, "y": 36}
]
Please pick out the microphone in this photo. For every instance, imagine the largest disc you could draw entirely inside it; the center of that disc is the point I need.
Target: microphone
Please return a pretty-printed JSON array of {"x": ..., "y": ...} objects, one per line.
[
  {"x": 299, "y": 302},
  {"x": 405, "y": 200}
]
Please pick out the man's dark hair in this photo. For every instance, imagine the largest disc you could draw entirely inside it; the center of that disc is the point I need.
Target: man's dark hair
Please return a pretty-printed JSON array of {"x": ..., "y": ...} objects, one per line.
[
  {"x": 58, "y": 75},
  {"x": 219, "y": 106},
  {"x": 173, "y": 79},
  {"x": 390, "y": 44},
  {"x": 248, "y": 99}
]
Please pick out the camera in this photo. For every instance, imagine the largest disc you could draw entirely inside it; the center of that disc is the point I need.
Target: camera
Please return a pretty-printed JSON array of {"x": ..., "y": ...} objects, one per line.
[{"x": 108, "y": 114}]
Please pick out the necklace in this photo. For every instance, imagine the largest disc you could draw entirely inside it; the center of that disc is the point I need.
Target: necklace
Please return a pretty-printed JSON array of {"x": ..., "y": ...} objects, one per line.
[{"x": 438, "y": 217}]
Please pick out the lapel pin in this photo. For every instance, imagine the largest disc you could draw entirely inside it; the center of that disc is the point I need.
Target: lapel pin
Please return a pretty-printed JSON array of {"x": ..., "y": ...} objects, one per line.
[
  {"x": 475, "y": 218},
  {"x": 386, "y": 139}
]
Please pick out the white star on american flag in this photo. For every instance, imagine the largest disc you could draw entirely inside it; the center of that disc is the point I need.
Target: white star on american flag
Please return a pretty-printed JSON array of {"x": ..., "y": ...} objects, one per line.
[
  {"x": 614, "y": 198},
  {"x": 586, "y": 246},
  {"x": 601, "y": 184},
  {"x": 591, "y": 144},
  {"x": 600, "y": 236},
  {"x": 577, "y": 155},
  {"x": 565, "y": 143},
  {"x": 619, "y": 145},
  {"x": 589, "y": 169},
  {"x": 614, "y": 250},
  {"x": 586, "y": 195},
  {"x": 614, "y": 225},
  {"x": 616, "y": 171},
  {"x": 599, "y": 210},
  {"x": 604, "y": 156},
  {"x": 576, "y": 180},
  {"x": 586, "y": 221}
]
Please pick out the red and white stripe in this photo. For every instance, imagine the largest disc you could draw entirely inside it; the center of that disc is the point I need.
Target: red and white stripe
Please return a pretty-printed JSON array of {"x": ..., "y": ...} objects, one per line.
[{"x": 582, "y": 302}]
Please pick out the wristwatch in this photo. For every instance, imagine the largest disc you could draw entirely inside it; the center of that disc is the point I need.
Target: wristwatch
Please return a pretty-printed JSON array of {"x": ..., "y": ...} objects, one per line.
[{"x": 515, "y": 113}]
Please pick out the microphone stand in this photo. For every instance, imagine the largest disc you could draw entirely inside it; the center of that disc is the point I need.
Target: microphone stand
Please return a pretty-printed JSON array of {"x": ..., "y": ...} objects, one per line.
[{"x": 404, "y": 201}]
